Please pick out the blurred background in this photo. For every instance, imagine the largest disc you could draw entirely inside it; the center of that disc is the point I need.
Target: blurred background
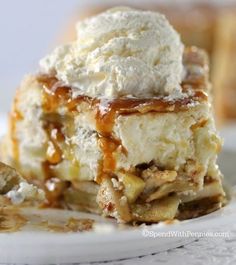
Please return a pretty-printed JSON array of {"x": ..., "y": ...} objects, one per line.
[{"x": 30, "y": 29}]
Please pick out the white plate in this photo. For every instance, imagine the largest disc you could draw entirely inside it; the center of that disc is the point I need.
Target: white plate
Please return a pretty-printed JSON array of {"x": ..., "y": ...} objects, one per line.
[{"x": 111, "y": 241}]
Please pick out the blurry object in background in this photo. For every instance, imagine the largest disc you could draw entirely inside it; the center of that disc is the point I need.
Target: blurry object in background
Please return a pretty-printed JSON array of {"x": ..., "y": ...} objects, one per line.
[
  {"x": 224, "y": 65},
  {"x": 207, "y": 26},
  {"x": 195, "y": 23}
]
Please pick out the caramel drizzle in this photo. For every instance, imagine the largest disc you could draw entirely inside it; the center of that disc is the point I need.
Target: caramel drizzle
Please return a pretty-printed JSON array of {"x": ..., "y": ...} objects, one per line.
[
  {"x": 56, "y": 95},
  {"x": 53, "y": 187},
  {"x": 15, "y": 117},
  {"x": 108, "y": 143},
  {"x": 70, "y": 225},
  {"x": 55, "y": 135}
]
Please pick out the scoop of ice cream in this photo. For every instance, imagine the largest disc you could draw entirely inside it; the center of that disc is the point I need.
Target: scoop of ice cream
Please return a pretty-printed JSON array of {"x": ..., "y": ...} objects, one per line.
[{"x": 121, "y": 52}]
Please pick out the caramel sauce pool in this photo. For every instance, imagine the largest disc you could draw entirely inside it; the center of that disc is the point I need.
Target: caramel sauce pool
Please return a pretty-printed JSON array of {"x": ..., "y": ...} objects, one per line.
[
  {"x": 11, "y": 220},
  {"x": 14, "y": 219},
  {"x": 70, "y": 225}
]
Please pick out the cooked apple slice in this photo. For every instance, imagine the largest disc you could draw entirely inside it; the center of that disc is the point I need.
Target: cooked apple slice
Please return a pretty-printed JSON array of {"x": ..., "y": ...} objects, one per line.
[
  {"x": 159, "y": 210},
  {"x": 133, "y": 186}
]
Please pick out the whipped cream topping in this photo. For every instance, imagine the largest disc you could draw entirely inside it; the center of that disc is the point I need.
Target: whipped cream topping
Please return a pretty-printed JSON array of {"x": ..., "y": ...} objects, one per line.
[{"x": 121, "y": 52}]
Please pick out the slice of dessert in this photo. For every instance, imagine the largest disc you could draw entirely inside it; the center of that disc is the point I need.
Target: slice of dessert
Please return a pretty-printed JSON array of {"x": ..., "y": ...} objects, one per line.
[{"x": 120, "y": 123}]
